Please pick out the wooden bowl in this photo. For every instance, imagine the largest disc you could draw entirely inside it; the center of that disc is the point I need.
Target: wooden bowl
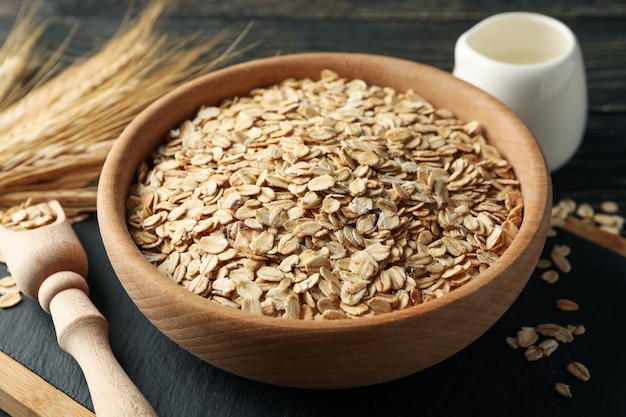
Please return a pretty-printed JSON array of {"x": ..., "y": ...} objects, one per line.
[{"x": 332, "y": 353}]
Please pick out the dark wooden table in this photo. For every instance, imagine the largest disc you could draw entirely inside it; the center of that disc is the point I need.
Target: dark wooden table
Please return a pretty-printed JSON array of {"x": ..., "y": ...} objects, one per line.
[{"x": 487, "y": 378}]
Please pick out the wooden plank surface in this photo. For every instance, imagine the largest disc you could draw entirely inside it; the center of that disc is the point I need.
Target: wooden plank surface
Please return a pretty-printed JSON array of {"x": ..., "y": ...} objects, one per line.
[
  {"x": 25, "y": 394},
  {"x": 591, "y": 233},
  {"x": 487, "y": 377}
]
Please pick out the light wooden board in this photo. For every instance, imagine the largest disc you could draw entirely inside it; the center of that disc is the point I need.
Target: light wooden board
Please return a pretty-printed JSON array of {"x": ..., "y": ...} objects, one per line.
[
  {"x": 25, "y": 394},
  {"x": 595, "y": 235}
]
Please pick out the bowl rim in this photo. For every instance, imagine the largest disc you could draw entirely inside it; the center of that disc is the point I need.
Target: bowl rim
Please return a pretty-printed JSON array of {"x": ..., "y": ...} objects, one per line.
[{"x": 111, "y": 211}]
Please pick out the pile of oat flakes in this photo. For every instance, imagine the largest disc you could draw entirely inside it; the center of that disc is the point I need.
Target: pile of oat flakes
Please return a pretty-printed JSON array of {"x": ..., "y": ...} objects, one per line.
[{"x": 324, "y": 199}]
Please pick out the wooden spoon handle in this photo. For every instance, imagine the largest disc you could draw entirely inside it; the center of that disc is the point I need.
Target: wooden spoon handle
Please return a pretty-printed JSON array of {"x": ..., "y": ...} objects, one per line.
[
  {"x": 83, "y": 332},
  {"x": 49, "y": 264}
]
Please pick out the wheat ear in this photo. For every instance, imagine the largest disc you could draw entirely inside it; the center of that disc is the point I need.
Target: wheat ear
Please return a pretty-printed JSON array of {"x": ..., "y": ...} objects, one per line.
[{"x": 56, "y": 138}]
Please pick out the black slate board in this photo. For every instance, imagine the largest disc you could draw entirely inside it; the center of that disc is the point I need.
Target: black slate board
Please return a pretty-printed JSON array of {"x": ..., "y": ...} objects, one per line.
[{"x": 488, "y": 377}]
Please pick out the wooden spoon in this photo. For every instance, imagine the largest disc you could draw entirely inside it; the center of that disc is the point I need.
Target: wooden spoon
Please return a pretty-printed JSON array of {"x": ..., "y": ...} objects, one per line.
[{"x": 49, "y": 264}]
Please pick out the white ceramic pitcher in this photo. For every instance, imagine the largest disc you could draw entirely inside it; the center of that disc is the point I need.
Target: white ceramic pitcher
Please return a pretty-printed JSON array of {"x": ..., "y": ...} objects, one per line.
[{"x": 533, "y": 64}]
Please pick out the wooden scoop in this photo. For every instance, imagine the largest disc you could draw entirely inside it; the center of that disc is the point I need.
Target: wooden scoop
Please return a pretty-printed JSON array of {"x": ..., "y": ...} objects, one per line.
[{"x": 49, "y": 264}]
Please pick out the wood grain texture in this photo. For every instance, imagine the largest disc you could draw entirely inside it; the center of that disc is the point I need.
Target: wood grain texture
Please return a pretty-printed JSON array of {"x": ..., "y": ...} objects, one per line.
[
  {"x": 25, "y": 394},
  {"x": 592, "y": 233},
  {"x": 359, "y": 10},
  {"x": 365, "y": 351},
  {"x": 421, "y": 31},
  {"x": 83, "y": 332},
  {"x": 485, "y": 377}
]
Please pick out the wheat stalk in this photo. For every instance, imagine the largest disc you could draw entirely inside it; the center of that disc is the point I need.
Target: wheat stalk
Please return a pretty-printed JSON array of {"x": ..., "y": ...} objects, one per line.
[
  {"x": 23, "y": 64},
  {"x": 54, "y": 140}
]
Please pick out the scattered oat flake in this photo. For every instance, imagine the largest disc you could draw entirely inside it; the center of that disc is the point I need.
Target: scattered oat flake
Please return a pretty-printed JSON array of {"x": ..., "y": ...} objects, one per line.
[
  {"x": 548, "y": 346},
  {"x": 579, "y": 330},
  {"x": 609, "y": 207},
  {"x": 550, "y": 276},
  {"x": 548, "y": 329},
  {"x": 563, "y": 389},
  {"x": 10, "y": 299},
  {"x": 579, "y": 370},
  {"x": 564, "y": 304},
  {"x": 533, "y": 353},
  {"x": 585, "y": 211},
  {"x": 512, "y": 342},
  {"x": 7, "y": 281},
  {"x": 558, "y": 256},
  {"x": 527, "y": 336},
  {"x": 544, "y": 263}
]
